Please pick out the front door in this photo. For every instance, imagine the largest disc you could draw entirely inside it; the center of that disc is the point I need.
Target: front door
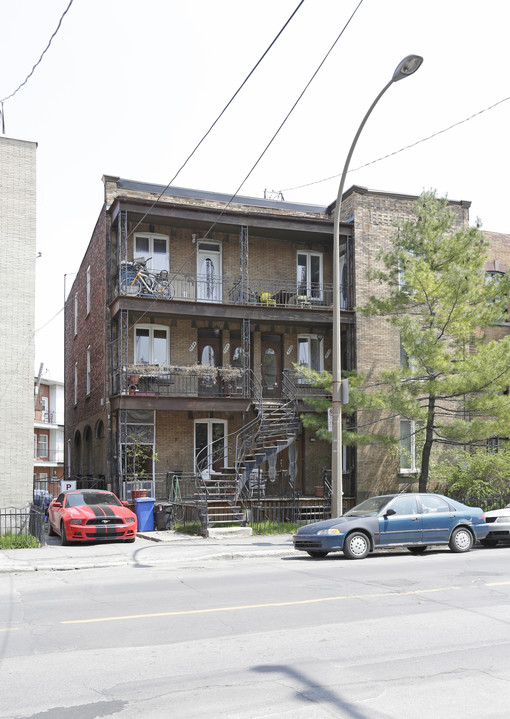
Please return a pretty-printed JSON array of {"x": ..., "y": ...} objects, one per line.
[
  {"x": 209, "y": 353},
  {"x": 271, "y": 365},
  {"x": 403, "y": 527},
  {"x": 209, "y": 272},
  {"x": 210, "y": 446}
]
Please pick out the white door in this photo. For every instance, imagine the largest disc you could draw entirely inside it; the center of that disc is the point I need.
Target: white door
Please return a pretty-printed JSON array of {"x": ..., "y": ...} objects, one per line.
[
  {"x": 209, "y": 272},
  {"x": 210, "y": 446}
]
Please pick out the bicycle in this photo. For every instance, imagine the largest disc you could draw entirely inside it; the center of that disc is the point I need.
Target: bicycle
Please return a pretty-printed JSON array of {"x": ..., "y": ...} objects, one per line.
[{"x": 145, "y": 282}]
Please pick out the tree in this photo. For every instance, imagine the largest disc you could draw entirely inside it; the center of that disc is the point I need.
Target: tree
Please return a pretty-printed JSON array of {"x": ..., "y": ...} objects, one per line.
[{"x": 453, "y": 384}]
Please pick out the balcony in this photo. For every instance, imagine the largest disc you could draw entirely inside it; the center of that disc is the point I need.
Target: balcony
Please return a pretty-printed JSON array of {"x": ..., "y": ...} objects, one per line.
[
  {"x": 52, "y": 456},
  {"x": 186, "y": 381},
  {"x": 49, "y": 416},
  {"x": 230, "y": 290}
]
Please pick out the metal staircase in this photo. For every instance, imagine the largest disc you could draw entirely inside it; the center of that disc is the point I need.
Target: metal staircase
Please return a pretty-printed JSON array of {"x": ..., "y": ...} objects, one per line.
[{"x": 222, "y": 495}]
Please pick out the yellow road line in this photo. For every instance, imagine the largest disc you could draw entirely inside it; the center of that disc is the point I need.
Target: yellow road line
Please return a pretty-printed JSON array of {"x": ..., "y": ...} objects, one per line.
[
  {"x": 241, "y": 607},
  {"x": 9, "y": 629}
]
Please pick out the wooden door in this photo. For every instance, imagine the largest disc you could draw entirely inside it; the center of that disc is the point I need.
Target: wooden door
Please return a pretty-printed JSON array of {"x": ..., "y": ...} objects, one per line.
[{"x": 271, "y": 365}]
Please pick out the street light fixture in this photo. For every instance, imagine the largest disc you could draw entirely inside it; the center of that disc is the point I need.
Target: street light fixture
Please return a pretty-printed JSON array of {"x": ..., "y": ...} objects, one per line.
[{"x": 406, "y": 67}]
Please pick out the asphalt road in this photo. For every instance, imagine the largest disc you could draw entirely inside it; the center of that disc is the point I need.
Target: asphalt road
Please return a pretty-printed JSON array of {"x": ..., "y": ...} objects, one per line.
[{"x": 391, "y": 636}]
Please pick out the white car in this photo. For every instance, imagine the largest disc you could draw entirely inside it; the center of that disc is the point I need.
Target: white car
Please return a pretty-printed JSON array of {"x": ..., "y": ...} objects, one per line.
[{"x": 499, "y": 521}]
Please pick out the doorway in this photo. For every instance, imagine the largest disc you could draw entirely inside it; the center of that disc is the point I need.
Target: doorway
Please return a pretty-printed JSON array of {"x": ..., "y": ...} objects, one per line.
[
  {"x": 210, "y": 446},
  {"x": 271, "y": 365}
]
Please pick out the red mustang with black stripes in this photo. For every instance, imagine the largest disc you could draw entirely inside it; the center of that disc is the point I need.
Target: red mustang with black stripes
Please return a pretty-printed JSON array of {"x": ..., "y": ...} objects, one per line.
[{"x": 90, "y": 515}]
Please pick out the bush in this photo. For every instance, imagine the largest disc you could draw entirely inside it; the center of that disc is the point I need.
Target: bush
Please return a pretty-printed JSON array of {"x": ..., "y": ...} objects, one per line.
[{"x": 474, "y": 475}]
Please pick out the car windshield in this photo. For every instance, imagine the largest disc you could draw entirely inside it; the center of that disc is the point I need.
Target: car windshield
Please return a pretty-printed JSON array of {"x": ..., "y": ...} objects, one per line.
[
  {"x": 75, "y": 500},
  {"x": 369, "y": 508}
]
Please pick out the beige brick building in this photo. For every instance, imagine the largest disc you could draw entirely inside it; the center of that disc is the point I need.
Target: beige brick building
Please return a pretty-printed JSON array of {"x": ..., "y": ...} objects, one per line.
[
  {"x": 17, "y": 258},
  {"x": 187, "y": 319}
]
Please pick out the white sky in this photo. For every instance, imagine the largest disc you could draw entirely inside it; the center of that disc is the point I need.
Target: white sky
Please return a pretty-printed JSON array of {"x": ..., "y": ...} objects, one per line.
[{"x": 128, "y": 88}]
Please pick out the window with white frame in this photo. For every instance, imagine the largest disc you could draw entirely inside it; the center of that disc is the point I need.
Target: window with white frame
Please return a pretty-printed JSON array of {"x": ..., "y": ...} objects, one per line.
[
  {"x": 310, "y": 352},
  {"x": 76, "y": 383},
  {"x": 88, "y": 289},
  {"x": 43, "y": 446},
  {"x": 154, "y": 249},
  {"x": 75, "y": 314},
  {"x": 88, "y": 369},
  {"x": 309, "y": 275},
  {"x": 152, "y": 345},
  {"x": 408, "y": 446}
]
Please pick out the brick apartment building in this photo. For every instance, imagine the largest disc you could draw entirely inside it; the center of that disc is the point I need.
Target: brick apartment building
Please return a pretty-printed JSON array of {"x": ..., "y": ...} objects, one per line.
[
  {"x": 48, "y": 435},
  {"x": 187, "y": 319}
]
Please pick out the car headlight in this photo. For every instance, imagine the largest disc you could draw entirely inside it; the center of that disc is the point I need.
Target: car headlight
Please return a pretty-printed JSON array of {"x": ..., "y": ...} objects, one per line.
[
  {"x": 331, "y": 530},
  {"x": 76, "y": 521},
  {"x": 130, "y": 519}
]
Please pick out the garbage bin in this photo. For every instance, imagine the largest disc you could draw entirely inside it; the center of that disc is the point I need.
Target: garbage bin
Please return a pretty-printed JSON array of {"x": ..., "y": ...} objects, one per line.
[
  {"x": 163, "y": 515},
  {"x": 144, "y": 510}
]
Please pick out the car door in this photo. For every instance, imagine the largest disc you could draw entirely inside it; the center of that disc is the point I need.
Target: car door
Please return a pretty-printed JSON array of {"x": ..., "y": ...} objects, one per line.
[
  {"x": 404, "y": 526},
  {"x": 438, "y": 519}
]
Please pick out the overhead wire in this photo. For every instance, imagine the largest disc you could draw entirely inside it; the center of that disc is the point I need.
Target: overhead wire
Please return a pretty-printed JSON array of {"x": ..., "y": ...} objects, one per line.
[
  {"x": 8, "y": 97},
  {"x": 402, "y": 149}
]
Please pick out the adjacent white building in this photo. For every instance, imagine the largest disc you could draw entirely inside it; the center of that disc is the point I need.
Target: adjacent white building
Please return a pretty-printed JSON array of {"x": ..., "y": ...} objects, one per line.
[{"x": 17, "y": 303}]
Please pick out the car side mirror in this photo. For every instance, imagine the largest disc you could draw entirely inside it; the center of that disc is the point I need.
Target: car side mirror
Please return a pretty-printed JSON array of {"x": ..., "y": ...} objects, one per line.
[
  {"x": 389, "y": 512},
  {"x": 124, "y": 502},
  {"x": 56, "y": 504}
]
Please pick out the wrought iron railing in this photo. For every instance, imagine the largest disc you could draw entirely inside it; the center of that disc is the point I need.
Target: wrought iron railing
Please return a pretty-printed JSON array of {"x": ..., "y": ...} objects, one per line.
[
  {"x": 18, "y": 526},
  {"x": 183, "y": 381},
  {"x": 260, "y": 291}
]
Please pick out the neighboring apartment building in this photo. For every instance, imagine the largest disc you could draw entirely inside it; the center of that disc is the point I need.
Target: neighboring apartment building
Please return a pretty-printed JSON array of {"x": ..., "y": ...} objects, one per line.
[
  {"x": 49, "y": 435},
  {"x": 178, "y": 361},
  {"x": 17, "y": 305}
]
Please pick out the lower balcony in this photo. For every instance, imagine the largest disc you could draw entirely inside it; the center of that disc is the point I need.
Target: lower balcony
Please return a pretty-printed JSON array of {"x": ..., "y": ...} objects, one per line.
[{"x": 186, "y": 381}]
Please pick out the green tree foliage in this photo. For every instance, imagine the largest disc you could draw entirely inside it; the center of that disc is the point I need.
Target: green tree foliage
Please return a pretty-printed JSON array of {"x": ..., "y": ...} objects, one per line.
[
  {"x": 434, "y": 291},
  {"x": 474, "y": 476}
]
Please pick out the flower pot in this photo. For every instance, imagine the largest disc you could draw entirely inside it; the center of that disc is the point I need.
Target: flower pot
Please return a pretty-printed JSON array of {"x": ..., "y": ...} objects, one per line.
[
  {"x": 319, "y": 491},
  {"x": 137, "y": 493}
]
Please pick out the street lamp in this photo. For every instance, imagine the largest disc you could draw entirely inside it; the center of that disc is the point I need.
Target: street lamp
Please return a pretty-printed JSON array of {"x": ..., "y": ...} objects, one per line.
[{"x": 407, "y": 67}]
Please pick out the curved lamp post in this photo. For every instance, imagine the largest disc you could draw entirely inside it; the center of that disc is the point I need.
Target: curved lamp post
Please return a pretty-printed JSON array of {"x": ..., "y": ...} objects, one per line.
[{"x": 407, "y": 67}]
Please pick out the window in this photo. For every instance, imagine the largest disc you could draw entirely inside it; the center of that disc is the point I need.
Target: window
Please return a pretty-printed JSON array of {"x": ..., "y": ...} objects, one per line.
[
  {"x": 35, "y": 445},
  {"x": 404, "y": 505},
  {"x": 151, "y": 345},
  {"x": 154, "y": 249},
  {"x": 88, "y": 289},
  {"x": 431, "y": 503},
  {"x": 310, "y": 352},
  {"x": 496, "y": 444},
  {"x": 43, "y": 446},
  {"x": 88, "y": 369},
  {"x": 407, "y": 446},
  {"x": 45, "y": 415},
  {"x": 309, "y": 275},
  {"x": 75, "y": 314},
  {"x": 76, "y": 383},
  {"x": 493, "y": 279}
]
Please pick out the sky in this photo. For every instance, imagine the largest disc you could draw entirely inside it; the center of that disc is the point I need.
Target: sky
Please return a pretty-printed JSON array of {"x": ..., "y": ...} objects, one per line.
[{"x": 128, "y": 88}]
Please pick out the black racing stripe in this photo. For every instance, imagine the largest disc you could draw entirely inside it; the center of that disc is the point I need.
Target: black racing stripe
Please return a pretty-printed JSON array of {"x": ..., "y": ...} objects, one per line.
[
  {"x": 97, "y": 511},
  {"x": 107, "y": 510}
]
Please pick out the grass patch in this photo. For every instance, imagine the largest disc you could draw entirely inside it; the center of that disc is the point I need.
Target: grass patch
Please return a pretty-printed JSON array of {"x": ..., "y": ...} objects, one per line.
[
  {"x": 18, "y": 541},
  {"x": 269, "y": 527},
  {"x": 192, "y": 528}
]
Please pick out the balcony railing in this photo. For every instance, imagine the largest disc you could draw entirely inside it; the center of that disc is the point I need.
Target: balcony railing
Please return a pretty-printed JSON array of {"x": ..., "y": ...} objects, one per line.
[
  {"x": 192, "y": 381},
  {"x": 49, "y": 416},
  {"x": 258, "y": 291},
  {"x": 297, "y": 387},
  {"x": 52, "y": 455}
]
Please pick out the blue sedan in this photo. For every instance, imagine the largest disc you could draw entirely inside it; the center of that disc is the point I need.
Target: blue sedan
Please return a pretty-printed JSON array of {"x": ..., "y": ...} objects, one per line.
[{"x": 411, "y": 520}]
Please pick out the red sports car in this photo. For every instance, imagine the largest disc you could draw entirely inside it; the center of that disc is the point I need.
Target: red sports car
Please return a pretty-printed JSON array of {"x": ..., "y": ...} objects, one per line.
[{"x": 85, "y": 515}]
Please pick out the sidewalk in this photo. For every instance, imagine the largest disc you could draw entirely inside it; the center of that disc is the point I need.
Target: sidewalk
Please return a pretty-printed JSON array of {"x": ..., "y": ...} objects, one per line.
[{"x": 149, "y": 549}]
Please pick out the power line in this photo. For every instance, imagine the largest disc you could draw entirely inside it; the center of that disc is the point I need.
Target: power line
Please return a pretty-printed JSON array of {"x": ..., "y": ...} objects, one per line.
[
  {"x": 286, "y": 117},
  {"x": 8, "y": 97},
  {"x": 407, "y": 147},
  {"x": 236, "y": 93}
]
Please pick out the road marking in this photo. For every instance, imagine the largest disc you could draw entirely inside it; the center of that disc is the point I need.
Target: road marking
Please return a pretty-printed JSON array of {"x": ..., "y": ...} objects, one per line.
[
  {"x": 9, "y": 629},
  {"x": 297, "y": 602}
]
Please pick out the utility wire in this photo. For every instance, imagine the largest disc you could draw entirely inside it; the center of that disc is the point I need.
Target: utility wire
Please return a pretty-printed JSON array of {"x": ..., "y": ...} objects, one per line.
[
  {"x": 236, "y": 93},
  {"x": 8, "y": 97},
  {"x": 285, "y": 118},
  {"x": 407, "y": 147}
]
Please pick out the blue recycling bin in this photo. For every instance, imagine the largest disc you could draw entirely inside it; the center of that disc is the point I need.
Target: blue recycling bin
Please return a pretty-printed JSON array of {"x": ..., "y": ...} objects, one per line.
[{"x": 144, "y": 510}]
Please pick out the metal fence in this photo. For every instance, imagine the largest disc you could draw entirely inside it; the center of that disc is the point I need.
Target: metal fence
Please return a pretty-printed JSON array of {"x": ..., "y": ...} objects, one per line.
[
  {"x": 497, "y": 501},
  {"x": 18, "y": 527},
  {"x": 280, "y": 517}
]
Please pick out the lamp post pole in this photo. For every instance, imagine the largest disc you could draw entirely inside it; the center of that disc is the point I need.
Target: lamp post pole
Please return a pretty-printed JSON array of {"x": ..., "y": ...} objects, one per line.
[{"x": 407, "y": 67}]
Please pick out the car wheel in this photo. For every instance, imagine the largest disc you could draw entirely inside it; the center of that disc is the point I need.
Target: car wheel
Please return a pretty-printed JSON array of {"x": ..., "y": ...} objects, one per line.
[
  {"x": 356, "y": 545},
  {"x": 51, "y": 531},
  {"x": 489, "y": 542},
  {"x": 317, "y": 553},
  {"x": 418, "y": 550},
  {"x": 461, "y": 540},
  {"x": 63, "y": 539}
]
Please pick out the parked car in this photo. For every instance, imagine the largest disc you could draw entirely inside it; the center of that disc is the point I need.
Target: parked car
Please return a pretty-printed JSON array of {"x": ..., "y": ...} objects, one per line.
[
  {"x": 499, "y": 526},
  {"x": 85, "y": 515},
  {"x": 412, "y": 520}
]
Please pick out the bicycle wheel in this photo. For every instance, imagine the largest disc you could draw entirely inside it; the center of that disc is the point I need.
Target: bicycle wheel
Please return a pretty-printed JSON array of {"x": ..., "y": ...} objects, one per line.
[
  {"x": 130, "y": 287},
  {"x": 162, "y": 289}
]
